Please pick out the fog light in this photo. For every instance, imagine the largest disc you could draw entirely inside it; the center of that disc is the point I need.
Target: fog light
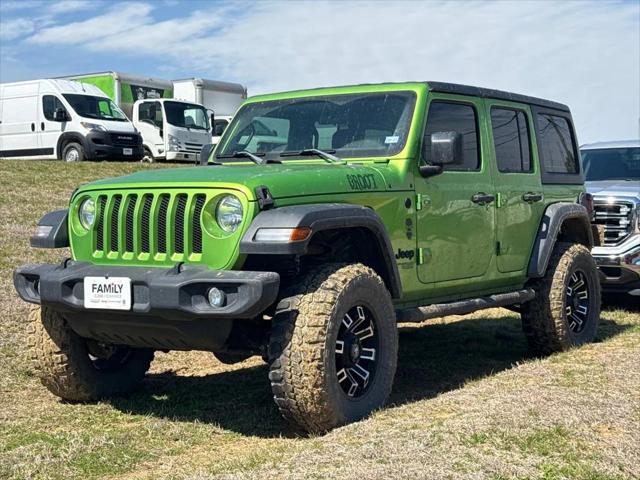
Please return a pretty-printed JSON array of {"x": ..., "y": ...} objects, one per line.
[{"x": 216, "y": 297}]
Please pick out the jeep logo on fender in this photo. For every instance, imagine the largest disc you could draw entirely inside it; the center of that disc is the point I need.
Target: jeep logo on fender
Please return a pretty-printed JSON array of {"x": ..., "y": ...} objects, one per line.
[
  {"x": 408, "y": 254},
  {"x": 362, "y": 182}
]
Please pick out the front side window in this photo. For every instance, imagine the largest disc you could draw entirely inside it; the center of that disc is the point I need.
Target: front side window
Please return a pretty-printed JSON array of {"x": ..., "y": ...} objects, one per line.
[
  {"x": 611, "y": 164},
  {"x": 150, "y": 112},
  {"x": 511, "y": 140},
  {"x": 99, "y": 108},
  {"x": 349, "y": 125},
  {"x": 186, "y": 115},
  {"x": 454, "y": 117},
  {"x": 50, "y": 103},
  {"x": 556, "y": 141}
]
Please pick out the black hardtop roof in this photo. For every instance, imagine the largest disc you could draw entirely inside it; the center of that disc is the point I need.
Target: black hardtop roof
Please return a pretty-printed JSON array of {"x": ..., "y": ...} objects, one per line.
[{"x": 444, "y": 87}]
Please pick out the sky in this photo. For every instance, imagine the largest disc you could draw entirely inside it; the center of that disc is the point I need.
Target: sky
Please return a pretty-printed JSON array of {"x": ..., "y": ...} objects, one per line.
[{"x": 585, "y": 54}]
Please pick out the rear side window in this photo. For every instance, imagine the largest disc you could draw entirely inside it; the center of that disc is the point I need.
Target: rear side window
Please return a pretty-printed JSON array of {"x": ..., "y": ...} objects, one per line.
[
  {"x": 454, "y": 117},
  {"x": 50, "y": 103},
  {"x": 556, "y": 142},
  {"x": 511, "y": 140}
]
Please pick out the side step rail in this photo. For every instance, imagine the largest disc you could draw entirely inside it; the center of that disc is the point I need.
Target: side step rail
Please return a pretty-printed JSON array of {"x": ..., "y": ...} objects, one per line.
[{"x": 419, "y": 314}]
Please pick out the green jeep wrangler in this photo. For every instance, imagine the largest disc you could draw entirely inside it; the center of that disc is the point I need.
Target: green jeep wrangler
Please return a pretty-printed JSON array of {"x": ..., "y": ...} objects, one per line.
[{"x": 321, "y": 220}]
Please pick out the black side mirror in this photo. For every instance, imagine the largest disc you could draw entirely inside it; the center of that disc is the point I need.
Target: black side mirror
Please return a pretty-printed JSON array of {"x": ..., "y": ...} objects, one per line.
[
  {"x": 205, "y": 151},
  {"x": 446, "y": 148},
  {"x": 212, "y": 119},
  {"x": 60, "y": 115}
]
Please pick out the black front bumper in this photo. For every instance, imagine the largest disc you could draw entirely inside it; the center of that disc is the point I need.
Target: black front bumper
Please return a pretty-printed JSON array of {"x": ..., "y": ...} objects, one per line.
[
  {"x": 169, "y": 306},
  {"x": 112, "y": 145}
]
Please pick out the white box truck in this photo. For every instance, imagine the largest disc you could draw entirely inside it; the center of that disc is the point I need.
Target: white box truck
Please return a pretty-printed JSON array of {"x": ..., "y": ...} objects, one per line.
[
  {"x": 171, "y": 128},
  {"x": 62, "y": 119},
  {"x": 223, "y": 98}
]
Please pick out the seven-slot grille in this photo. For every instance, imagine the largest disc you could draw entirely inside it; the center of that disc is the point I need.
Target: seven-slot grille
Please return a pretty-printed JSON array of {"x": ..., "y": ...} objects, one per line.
[
  {"x": 149, "y": 223},
  {"x": 616, "y": 217}
]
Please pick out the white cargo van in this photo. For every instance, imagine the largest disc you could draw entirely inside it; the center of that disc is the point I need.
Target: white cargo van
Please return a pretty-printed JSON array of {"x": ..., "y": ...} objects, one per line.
[
  {"x": 223, "y": 98},
  {"x": 172, "y": 129},
  {"x": 62, "y": 119}
]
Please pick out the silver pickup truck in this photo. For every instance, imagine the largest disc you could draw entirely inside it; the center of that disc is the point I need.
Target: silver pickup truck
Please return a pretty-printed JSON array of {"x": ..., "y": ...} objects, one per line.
[{"x": 612, "y": 171}]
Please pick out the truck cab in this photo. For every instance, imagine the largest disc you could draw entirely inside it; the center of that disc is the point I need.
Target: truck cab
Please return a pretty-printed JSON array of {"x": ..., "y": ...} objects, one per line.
[{"x": 172, "y": 129}]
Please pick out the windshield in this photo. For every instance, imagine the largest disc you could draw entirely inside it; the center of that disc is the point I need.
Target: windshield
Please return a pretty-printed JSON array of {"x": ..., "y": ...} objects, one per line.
[
  {"x": 186, "y": 115},
  {"x": 351, "y": 125},
  {"x": 611, "y": 164},
  {"x": 100, "y": 108}
]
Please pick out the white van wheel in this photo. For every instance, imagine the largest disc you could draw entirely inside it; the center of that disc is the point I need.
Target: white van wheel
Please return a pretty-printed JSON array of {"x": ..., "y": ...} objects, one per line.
[{"x": 73, "y": 152}]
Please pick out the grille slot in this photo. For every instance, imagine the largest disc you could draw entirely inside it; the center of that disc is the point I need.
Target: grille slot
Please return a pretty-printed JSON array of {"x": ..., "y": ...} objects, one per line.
[
  {"x": 197, "y": 227},
  {"x": 179, "y": 225},
  {"x": 129, "y": 220},
  {"x": 169, "y": 224},
  {"x": 144, "y": 224},
  {"x": 162, "y": 224},
  {"x": 115, "y": 211},
  {"x": 102, "y": 203},
  {"x": 616, "y": 218}
]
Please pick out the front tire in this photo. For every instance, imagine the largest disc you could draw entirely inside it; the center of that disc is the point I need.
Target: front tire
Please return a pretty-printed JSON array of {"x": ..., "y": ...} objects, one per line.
[
  {"x": 78, "y": 369},
  {"x": 73, "y": 152},
  {"x": 147, "y": 156},
  {"x": 566, "y": 309},
  {"x": 333, "y": 348}
]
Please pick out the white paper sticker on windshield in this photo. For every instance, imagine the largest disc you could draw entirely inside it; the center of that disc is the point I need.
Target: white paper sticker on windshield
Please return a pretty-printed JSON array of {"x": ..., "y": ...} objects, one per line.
[{"x": 392, "y": 139}]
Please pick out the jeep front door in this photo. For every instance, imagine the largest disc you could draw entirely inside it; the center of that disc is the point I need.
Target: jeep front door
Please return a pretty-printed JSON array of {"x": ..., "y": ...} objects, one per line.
[
  {"x": 519, "y": 199},
  {"x": 456, "y": 224}
]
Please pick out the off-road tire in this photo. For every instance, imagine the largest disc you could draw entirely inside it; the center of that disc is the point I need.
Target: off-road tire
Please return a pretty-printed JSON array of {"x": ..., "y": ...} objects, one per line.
[
  {"x": 73, "y": 146},
  {"x": 544, "y": 319},
  {"x": 62, "y": 361},
  {"x": 302, "y": 348}
]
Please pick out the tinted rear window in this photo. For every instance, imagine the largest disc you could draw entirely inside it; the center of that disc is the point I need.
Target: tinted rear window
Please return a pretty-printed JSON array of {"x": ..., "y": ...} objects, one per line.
[{"x": 556, "y": 142}]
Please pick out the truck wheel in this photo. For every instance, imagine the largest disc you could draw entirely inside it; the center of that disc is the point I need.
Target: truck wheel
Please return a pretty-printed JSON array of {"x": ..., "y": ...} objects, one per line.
[
  {"x": 73, "y": 152},
  {"x": 147, "y": 157},
  {"x": 333, "y": 348},
  {"x": 78, "y": 369},
  {"x": 566, "y": 309}
]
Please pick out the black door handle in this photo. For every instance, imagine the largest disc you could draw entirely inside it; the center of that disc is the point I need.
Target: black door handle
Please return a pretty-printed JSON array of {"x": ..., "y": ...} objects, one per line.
[
  {"x": 482, "y": 198},
  {"x": 531, "y": 197},
  {"x": 41, "y": 125},
  {"x": 33, "y": 127}
]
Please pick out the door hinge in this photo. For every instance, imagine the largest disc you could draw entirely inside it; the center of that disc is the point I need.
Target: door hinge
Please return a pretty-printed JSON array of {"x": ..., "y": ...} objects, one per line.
[
  {"x": 498, "y": 199},
  {"x": 418, "y": 202},
  {"x": 420, "y": 256}
]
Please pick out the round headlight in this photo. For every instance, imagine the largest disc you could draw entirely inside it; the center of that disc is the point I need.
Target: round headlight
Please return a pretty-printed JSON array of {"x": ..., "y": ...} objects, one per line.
[
  {"x": 87, "y": 213},
  {"x": 229, "y": 213}
]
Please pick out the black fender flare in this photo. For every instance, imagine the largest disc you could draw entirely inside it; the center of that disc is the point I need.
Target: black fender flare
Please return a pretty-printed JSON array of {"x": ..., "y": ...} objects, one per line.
[
  {"x": 319, "y": 217},
  {"x": 554, "y": 217},
  {"x": 67, "y": 137}
]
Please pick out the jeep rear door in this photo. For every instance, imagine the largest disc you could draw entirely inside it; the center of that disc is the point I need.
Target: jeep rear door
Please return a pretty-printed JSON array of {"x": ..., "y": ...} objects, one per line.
[
  {"x": 516, "y": 170},
  {"x": 456, "y": 227}
]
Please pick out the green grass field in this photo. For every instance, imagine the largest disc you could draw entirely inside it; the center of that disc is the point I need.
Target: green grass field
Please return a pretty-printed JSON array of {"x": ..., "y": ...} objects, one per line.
[{"x": 468, "y": 403}]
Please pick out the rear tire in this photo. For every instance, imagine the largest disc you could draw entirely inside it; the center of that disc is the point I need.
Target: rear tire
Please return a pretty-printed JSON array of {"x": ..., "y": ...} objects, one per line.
[
  {"x": 333, "y": 348},
  {"x": 73, "y": 152},
  {"x": 78, "y": 369},
  {"x": 566, "y": 309}
]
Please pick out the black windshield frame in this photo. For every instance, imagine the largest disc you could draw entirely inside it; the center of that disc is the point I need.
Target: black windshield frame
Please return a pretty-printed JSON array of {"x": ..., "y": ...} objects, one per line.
[
  {"x": 350, "y": 112},
  {"x": 617, "y": 163}
]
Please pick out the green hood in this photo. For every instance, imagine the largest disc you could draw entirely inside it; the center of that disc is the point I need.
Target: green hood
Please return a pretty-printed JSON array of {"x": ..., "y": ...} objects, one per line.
[{"x": 283, "y": 180}]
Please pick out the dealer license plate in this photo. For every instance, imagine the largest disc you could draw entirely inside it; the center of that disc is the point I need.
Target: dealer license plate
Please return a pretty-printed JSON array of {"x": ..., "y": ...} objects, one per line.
[
  {"x": 127, "y": 151},
  {"x": 107, "y": 293}
]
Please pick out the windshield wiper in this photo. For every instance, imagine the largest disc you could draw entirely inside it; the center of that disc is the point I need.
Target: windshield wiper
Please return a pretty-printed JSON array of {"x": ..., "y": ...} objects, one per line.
[
  {"x": 308, "y": 152},
  {"x": 258, "y": 160}
]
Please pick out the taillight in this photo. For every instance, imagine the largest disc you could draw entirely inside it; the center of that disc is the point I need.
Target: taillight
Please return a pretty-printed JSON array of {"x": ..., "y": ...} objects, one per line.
[{"x": 586, "y": 200}]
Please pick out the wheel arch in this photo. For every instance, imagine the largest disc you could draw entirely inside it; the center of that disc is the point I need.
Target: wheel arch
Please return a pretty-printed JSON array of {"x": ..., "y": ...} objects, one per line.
[
  {"x": 562, "y": 221},
  {"x": 328, "y": 220},
  {"x": 68, "y": 137}
]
